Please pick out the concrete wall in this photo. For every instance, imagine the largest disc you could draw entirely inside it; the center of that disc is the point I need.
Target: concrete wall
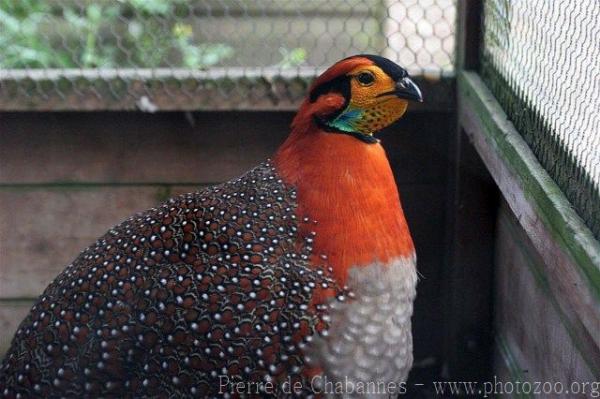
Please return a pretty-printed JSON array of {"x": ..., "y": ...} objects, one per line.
[{"x": 65, "y": 178}]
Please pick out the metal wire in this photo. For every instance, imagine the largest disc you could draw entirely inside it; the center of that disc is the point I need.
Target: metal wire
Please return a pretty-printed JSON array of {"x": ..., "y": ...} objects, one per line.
[
  {"x": 542, "y": 61},
  {"x": 165, "y": 54}
]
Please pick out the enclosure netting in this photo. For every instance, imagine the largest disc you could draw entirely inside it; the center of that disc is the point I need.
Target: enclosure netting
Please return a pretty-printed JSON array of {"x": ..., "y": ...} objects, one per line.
[
  {"x": 204, "y": 54},
  {"x": 541, "y": 59}
]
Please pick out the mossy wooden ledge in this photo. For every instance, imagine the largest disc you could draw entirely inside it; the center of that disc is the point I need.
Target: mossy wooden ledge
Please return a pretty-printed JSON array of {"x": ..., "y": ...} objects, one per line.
[
  {"x": 569, "y": 250},
  {"x": 178, "y": 89}
]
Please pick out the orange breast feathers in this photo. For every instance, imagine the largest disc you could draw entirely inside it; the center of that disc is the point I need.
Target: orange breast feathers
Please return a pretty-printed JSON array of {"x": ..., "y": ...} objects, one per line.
[{"x": 347, "y": 186}]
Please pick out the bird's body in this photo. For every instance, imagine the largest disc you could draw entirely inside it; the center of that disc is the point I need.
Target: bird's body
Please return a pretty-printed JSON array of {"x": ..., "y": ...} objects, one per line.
[{"x": 298, "y": 273}]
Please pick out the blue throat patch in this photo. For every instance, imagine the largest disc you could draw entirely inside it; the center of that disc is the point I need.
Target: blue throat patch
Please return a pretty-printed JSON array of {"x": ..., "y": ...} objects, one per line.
[
  {"x": 346, "y": 123},
  {"x": 347, "y": 119}
]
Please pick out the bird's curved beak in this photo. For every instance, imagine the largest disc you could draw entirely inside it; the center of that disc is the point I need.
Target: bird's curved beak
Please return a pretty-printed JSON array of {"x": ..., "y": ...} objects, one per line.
[{"x": 408, "y": 90}]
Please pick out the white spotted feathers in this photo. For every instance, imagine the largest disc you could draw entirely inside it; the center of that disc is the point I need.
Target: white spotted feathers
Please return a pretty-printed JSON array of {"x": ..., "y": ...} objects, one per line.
[
  {"x": 208, "y": 284},
  {"x": 211, "y": 284}
]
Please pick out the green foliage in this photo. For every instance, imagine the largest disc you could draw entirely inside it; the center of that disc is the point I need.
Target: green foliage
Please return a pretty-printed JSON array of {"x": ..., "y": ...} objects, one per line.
[
  {"x": 292, "y": 58},
  {"x": 127, "y": 33}
]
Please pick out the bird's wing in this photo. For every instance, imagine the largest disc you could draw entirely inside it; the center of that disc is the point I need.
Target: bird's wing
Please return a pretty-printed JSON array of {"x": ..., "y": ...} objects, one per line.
[{"x": 211, "y": 287}]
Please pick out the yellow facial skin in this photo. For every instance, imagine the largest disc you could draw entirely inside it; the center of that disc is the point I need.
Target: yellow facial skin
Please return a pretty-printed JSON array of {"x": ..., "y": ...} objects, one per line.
[{"x": 379, "y": 112}]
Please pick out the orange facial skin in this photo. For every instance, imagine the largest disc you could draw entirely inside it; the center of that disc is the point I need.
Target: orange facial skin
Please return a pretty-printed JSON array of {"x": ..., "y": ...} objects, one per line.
[
  {"x": 380, "y": 110},
  {"x": 345, "y": 184}
]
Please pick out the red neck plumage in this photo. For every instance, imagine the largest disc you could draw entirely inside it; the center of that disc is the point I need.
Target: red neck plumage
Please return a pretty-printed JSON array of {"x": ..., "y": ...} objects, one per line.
[{"x": 347, "y": 186}]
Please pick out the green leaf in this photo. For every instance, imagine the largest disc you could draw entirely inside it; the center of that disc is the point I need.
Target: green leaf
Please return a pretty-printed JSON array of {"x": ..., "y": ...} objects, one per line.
[{"x": 292, "y": 58}]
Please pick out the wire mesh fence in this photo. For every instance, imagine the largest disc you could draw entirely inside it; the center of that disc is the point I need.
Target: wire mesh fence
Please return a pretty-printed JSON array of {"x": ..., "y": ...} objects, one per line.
[
  {"x": 542, "y": 61},
  {"x": 193, "y": 54}
]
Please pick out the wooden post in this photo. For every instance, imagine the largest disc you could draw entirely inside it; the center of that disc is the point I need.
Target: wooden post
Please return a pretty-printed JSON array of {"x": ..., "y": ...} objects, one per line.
[
  {"x": 469, "y": 266},
  {"x": 472, "y": 206},
  {"x": 468, "y": 34}
]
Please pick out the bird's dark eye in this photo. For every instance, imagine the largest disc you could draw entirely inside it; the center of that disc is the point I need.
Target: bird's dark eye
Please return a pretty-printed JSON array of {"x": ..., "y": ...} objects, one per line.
[{"x": 365, "y": 78}]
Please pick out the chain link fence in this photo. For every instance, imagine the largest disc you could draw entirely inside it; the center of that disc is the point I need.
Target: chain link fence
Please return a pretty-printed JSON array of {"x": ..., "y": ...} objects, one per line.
[
  {"x": 541, "y": 60},
  {"x": 209, "y": 54}
]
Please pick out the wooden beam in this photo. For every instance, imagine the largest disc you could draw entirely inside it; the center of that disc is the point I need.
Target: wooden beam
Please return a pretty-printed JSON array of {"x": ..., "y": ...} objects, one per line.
[
  {"x": 178, "y": 89},
  {"x": 533, "y": 321},
  {"x": 566, "y": 245},
  {"x": 468, "y": 270},
  {"x": 470, "y": 218},
  {"x": 468, "y": 34}
]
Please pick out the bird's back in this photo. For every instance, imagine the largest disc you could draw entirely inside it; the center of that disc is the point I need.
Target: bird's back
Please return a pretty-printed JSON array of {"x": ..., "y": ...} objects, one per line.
[{"x": 209, "y": 289}]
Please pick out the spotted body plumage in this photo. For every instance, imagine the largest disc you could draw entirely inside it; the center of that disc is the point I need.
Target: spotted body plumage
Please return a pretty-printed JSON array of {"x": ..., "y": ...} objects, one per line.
[
  {"x": 300, "y": 269},
  {"x": 209, "y": 284}
]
